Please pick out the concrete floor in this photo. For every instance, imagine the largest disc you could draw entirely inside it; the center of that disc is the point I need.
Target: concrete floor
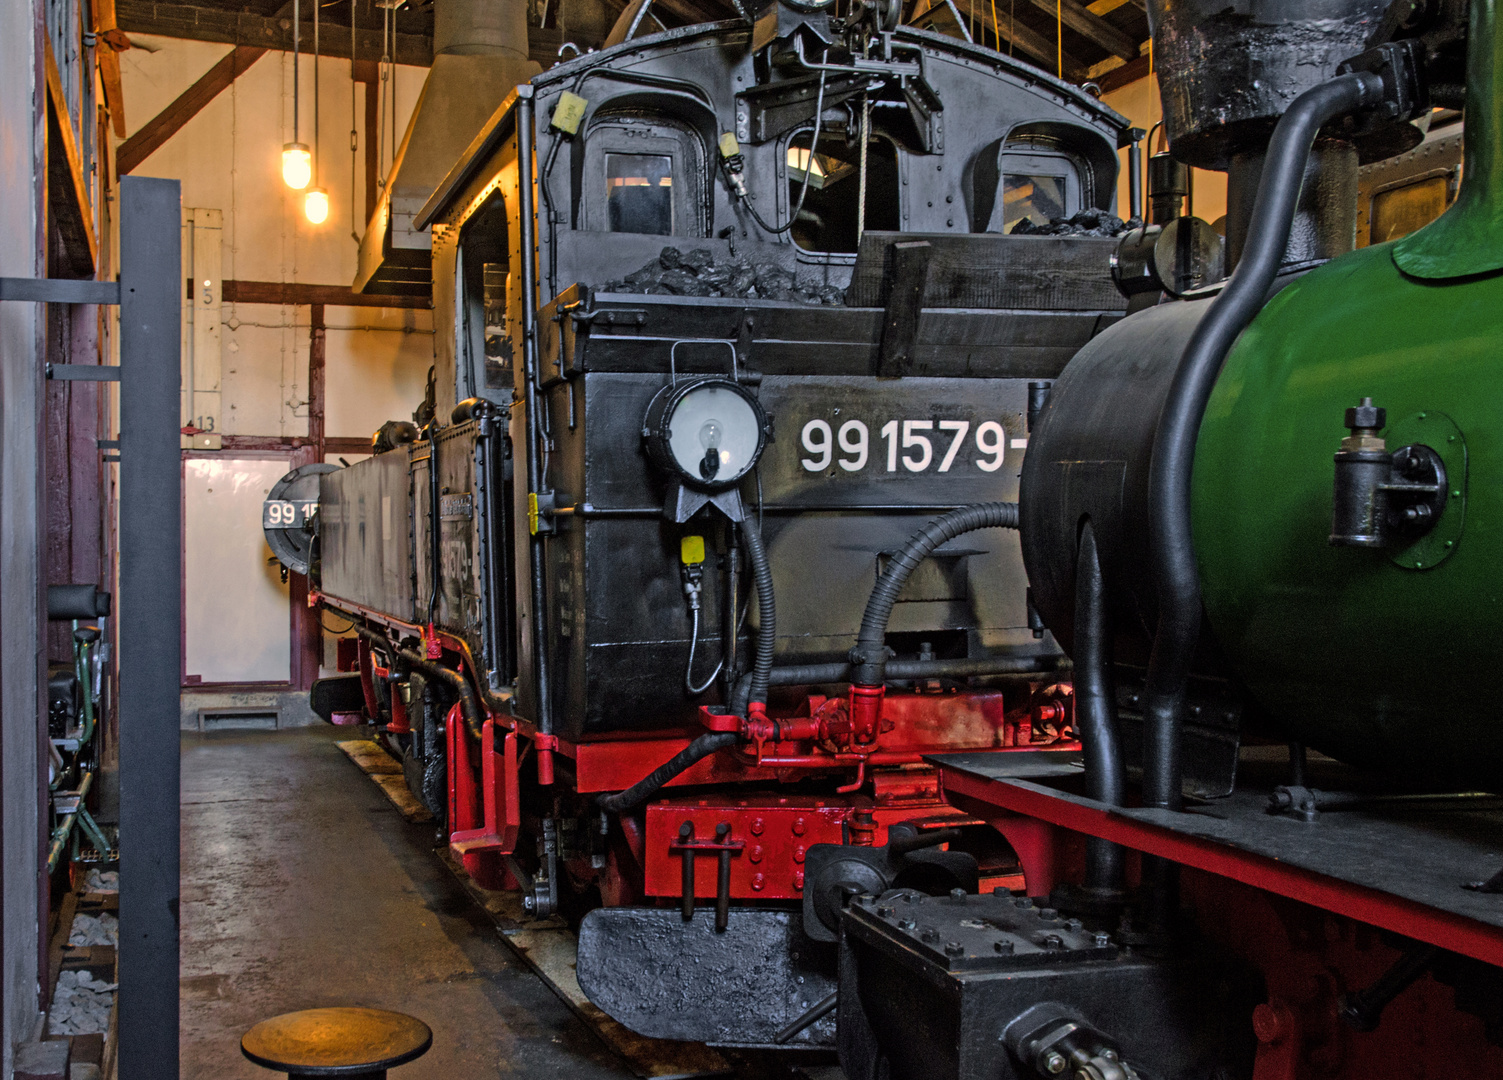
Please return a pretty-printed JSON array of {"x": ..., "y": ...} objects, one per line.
[{"x": 302, "y": 887}]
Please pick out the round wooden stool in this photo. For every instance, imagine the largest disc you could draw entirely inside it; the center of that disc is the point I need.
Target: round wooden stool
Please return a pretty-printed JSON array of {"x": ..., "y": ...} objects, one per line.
[{"x": 358, "y": 1044}]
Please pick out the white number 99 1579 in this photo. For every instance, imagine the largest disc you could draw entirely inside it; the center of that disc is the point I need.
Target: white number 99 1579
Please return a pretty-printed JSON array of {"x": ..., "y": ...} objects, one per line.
[{"x": 912, "y": 445}]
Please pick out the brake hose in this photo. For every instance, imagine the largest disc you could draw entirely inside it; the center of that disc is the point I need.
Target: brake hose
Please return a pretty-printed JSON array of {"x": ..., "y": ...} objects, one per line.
[{"x": 869, "y": 655}]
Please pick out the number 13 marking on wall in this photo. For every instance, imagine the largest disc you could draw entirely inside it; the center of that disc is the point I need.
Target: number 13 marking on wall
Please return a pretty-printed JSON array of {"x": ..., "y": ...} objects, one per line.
[{"x": 909, "y": 436}]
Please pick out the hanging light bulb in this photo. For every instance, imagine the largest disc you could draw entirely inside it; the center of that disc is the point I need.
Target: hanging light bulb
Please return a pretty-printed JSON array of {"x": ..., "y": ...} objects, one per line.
[
  {"x": 297, "y": 165},
  {"x": 316, "y": 205}
]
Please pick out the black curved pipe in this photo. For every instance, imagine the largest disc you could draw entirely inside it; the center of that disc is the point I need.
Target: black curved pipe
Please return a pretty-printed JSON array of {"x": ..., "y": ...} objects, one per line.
[
  {"x": 648, "y": 786},
  {"x": 767, "y": 611},
  {"x": 469, "y": 701},
  {"x": 1171, "y": 549},
  {"x": 1096, "y": 712},
  {"x": 869, "y": 654}
]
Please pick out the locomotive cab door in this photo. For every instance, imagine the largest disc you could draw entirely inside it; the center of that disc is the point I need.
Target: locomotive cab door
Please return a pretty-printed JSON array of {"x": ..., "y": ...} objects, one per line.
[{"x": 642, "y": 175}]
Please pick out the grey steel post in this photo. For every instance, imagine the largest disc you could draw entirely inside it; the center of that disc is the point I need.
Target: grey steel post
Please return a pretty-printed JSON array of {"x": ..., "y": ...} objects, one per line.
[{"x": 150, "y": 626}]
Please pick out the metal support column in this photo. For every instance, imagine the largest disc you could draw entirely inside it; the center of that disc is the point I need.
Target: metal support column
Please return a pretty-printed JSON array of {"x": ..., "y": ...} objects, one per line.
[
  {"x": 150, "y": 626},
  {"x": 150, "y": 615}
]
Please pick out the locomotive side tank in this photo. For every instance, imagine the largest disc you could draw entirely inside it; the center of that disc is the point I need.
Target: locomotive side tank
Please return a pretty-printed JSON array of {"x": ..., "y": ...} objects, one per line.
[
  {"x": 1344, "y": 643},
  {"x": 1335, "y": 633}
]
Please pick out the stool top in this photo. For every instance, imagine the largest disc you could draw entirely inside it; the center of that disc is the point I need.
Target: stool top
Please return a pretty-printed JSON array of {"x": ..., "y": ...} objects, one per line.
[{"x": 336, "y": 1042}]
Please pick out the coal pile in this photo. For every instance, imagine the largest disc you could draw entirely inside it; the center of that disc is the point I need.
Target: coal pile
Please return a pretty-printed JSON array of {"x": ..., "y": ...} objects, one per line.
[
  {"x": 698, "y": 273},
  {"x": 1086, "y": 223}
]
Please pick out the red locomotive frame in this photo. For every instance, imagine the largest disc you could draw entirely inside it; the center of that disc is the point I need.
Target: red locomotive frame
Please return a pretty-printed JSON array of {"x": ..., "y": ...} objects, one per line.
[{"x": 878, "y": 740}]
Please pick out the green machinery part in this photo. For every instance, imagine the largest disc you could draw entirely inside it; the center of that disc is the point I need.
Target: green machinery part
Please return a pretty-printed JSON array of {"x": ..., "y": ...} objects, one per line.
[{"x": 1386, "y": 658}]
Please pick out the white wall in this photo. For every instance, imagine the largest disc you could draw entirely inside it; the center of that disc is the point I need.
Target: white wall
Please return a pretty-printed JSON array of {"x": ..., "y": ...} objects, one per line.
[
  {"x": 21, "y": 638},
  {"x": 228, "y": 157},
  {"x": 236, "y": 625}
]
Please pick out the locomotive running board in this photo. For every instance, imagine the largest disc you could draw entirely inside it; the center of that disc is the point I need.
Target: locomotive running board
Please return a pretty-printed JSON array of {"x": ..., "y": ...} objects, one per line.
[
  {"x": 669, "y": 979},
  {"x": 1402, "y": 863}
]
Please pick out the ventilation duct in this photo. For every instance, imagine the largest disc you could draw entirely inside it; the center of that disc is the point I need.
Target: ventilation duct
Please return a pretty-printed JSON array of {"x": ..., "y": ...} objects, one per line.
[{"x": 479, "y": 56}]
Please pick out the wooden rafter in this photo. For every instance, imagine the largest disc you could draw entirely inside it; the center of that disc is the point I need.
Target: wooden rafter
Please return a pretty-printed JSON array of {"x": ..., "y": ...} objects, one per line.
[
  {"x": 1090, "y": 26},
  {"x": 1129, "y": 72},
  {"x": 182, "y": 20},
  {"x": 1106, "y": 7},
  {"x": 167, "y": 123},
  {"x": 294, "y": 292},
  {"x": 1042, "y": 49},
  {"x": 109, "y": 63},
  {"x": 67, "y": 189}
]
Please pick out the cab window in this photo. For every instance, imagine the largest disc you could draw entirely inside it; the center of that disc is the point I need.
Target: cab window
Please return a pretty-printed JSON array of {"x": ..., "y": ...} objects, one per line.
[
  {"x": 642, "y": 174},
  {"x": 1037, "y": 185},
  {"x": 639, "y": 193}
]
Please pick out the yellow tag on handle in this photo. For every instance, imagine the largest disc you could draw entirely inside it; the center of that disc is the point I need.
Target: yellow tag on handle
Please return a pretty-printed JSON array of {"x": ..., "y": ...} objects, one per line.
[
  {"x": 691, "y": 550},
  {"x": 569, "y": 112},
  {"x": 729, "y": 147}
]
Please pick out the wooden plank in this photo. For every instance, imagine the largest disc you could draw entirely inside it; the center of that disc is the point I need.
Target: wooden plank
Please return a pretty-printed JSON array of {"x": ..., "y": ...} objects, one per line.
[
  {"x": 386, "y": 771},
  {"x": 1040, "y": 48},
  {"x": 1092, "y": 27},
  {"x": 107, "y": 30},
  {"x": 395, "y": 789},
  {"x": 1129, "y": 72},
  {"x": 1106, "y": 7},
  {"x": 295, "y": 292},
  {"x": 336, "y": 444},
  {"x": 67, "y": 190},
  {"x": 372, "y": 759},
  {"x": 167, "y": 123},
  {"x": 549, "y": 948},
  {"x": 907, "y": 281},
  {"x": 59, "y": 940},
  {"x": 993, "y": 272}
]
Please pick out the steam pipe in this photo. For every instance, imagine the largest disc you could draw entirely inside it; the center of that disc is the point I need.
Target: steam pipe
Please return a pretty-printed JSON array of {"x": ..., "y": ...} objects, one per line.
[
  {"x": 1096, "y": 712},
  {"x": 649, "y": 785},
  {"x": 65, "y": 827},
  {"x": 469, "y": 702},
  {"x": 1171, "y": 547},
  {"x": 870, "y": 651},
  {"x": 767, "y": 611},
  {"x": 899, "y": 670}
]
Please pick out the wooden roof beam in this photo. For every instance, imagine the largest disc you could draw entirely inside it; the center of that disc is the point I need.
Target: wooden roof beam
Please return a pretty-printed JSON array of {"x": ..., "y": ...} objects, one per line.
[
  {"x": 1043, "y": 50},
  {"x": 167, "y": 123},
  {"x": 243, "y": 28},
  {"x": 1092, "y": 27},
  {"x": 67, "y": 189}
]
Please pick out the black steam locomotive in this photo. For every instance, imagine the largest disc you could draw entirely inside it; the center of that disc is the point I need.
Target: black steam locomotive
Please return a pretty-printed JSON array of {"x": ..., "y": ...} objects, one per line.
[{"x": 726, "y": 315}]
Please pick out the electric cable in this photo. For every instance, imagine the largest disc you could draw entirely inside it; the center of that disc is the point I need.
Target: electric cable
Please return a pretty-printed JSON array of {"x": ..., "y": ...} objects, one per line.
[{"x": 819, "y": 111}]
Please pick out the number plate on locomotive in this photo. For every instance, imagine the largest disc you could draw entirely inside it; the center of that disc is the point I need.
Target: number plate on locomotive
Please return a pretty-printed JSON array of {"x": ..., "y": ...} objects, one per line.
[{"x": 288, "y": 513}]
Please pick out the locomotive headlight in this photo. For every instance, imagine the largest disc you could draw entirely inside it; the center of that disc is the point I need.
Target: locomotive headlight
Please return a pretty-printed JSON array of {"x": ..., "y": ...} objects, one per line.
[{"x": 708, "y": 433}]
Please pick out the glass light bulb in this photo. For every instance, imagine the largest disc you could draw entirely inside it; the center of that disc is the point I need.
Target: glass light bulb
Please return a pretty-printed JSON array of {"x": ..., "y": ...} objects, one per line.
[
  {"x": 710, "y": 433},
  {"x": 297, "y": 165},
  {"x": 316, "y": 205}
]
